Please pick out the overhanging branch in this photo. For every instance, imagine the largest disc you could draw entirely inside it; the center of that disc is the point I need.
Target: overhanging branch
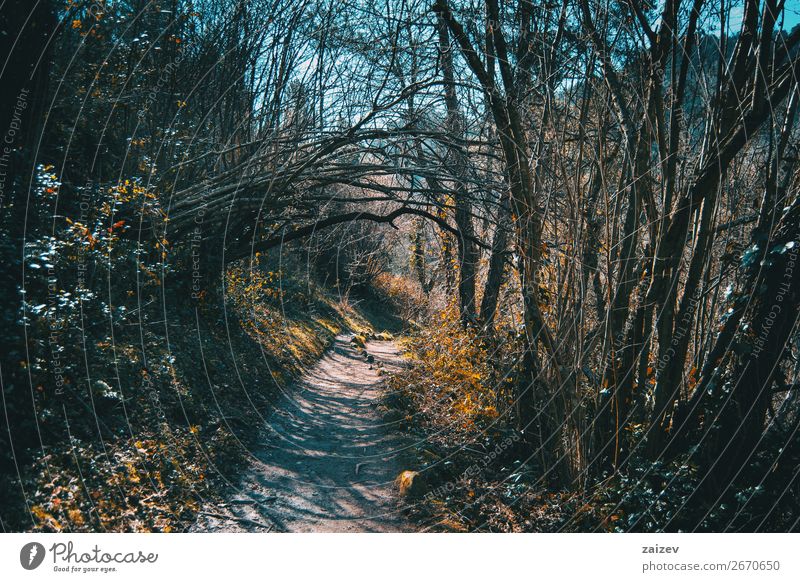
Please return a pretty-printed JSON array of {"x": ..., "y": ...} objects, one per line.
[{"x": 300, "y": 232}]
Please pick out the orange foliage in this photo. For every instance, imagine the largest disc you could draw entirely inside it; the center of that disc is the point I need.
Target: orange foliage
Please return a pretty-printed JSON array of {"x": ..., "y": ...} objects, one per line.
[{"x": 451, "y": 378}]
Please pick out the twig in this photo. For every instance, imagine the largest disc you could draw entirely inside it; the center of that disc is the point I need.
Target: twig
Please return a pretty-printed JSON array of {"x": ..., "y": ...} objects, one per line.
[
  {"x": 239, "y": 519},
  {"x": 253, "y": 501}
]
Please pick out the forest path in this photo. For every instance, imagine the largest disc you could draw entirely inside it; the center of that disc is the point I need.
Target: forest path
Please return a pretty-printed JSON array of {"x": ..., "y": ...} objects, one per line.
[{"x": 328, "y": 460}]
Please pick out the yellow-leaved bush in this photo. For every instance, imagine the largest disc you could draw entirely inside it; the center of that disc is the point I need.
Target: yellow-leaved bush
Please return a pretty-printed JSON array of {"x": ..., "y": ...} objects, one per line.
[{"x": 450, "y": 379}]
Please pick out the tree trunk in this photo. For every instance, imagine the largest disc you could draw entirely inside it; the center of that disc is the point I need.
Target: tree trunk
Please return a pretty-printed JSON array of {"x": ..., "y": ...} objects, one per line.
[
  {"x": 467, "y": 250},
  {"x": 496, "y": 274}
]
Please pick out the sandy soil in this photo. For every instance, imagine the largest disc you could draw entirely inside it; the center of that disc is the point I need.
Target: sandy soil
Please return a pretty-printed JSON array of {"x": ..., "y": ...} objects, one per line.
[{"x": 327, "y": 462}]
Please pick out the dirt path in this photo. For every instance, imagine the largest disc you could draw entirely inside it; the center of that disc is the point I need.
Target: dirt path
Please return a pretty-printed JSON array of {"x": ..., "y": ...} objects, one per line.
[{"x": 328, "y": 461}]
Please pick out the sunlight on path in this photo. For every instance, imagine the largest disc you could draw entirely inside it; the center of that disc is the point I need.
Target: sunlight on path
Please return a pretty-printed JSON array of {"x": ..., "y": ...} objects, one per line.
[{"x": 328, "y": 460}]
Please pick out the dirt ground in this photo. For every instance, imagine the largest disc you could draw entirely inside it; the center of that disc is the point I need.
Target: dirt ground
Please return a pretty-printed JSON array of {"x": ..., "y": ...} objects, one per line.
[{"x": 328, "y": 460}]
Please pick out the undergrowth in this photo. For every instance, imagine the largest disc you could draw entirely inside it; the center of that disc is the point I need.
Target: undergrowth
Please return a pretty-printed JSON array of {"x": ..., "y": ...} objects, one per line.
[
  {"x": 170, "y": 399},
  {"x": 456, "y": 395}
]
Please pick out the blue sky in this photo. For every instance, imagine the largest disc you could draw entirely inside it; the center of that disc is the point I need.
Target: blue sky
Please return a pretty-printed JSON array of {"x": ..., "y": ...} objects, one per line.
[{"x": 791, "y": 16}]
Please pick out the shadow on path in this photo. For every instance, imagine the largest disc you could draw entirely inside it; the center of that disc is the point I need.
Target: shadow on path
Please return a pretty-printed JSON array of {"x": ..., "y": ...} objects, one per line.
[{"x": 328, "y": 461}]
